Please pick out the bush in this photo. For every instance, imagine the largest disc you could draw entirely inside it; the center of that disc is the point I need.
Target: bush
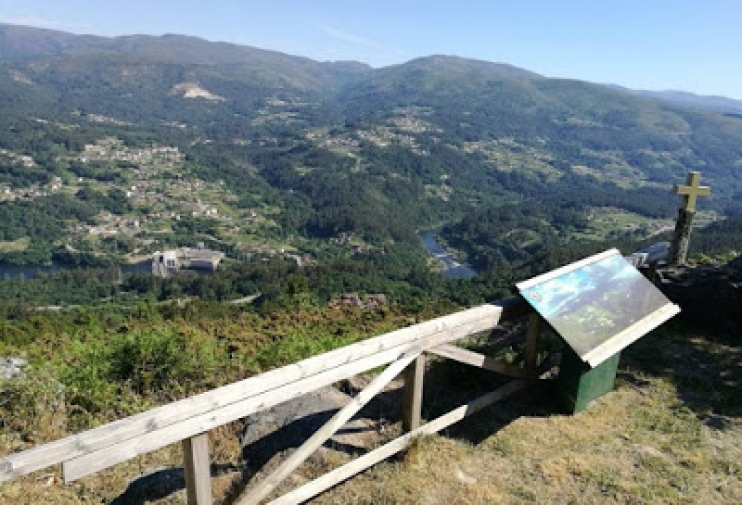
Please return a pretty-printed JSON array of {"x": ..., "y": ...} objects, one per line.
[
  {"x": 32, "y": 406},
  {"x": 164, "y": 361},
  {"x": 131, "y": 371}
]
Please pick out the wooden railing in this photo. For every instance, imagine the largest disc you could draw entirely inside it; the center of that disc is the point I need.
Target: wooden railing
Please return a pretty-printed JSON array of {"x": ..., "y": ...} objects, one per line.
[{"x": 188, "y": 421}]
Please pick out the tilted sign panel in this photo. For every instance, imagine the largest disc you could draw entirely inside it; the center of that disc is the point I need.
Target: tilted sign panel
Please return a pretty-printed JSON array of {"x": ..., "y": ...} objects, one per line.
[{"x": 598, "y": 305}]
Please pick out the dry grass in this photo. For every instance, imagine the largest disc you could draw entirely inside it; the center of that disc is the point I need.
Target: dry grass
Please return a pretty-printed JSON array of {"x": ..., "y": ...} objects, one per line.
[
  {"x": 47, "y": 487},
  {"x": 629, "y": 448},
  {"x": 670, "y": 434}
]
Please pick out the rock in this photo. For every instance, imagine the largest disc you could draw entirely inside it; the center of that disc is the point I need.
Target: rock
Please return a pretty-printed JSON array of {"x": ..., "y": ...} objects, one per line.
[
  {"x": 288, "y": 425},
  {"x": 736, "y": 264},
  {"x": 708, "y": 296},
  {"x": 12, "y": 367}
]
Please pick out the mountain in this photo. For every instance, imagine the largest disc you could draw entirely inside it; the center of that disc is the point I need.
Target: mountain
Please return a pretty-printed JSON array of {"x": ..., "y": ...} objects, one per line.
[
  {"x": 720, "y": 104},
  {"x": 562, "y": 124},
  {"x": 135, "y": 77},
  {"x": 333, "y": 148},
  {"x": 23, "y": 44}
]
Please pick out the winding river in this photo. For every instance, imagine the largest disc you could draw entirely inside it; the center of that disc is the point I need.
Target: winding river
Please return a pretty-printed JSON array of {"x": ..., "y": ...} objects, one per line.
[
  {"x": 454, "y": 269},
  {"x": 29, "y": 272}
]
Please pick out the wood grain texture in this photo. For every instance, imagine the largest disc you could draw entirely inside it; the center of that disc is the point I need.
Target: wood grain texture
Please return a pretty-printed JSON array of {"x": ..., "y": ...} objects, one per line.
[
  {"x": 412, "y": 400},
  {"x": 290, "y": 382},
  {"x": 197, "y": 470},
  {"x": 256, "y": 494},
  {"x": 479, "y": 360}
]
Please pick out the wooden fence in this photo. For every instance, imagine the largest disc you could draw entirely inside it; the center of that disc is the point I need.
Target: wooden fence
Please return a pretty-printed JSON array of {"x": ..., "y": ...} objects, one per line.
[{"x": 188, "y": 421}]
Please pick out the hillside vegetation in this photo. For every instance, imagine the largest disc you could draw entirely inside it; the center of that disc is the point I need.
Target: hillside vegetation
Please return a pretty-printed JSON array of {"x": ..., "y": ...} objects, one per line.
[{"x": 300, "y": 155}]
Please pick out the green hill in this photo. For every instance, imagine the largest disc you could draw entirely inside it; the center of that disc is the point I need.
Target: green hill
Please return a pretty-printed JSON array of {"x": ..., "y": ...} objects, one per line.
[{"x": 341, "y": 148}]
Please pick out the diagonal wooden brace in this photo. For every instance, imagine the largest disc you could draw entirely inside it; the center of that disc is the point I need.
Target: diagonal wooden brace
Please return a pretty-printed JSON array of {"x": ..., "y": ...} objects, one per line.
[{"x": 266, "y": 486}]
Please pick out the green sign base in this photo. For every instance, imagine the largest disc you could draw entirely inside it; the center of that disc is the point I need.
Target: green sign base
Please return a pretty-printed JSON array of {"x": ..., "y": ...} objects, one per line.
[{"x": 578, "y": 385}]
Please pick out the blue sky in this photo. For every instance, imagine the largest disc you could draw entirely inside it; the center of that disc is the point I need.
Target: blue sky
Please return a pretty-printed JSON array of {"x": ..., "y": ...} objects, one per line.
[{"x": 651, "y": 44}]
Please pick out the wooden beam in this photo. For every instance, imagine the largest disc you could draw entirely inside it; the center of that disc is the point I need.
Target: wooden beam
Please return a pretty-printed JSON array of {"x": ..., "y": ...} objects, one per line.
[
  {"x": 335, "y": 477},
  {"x": 479, "y": 360},
  {"x": 412, "y": 401},
  {"x": 92, "y": 462},
  {"x": 157, "y": 437},
  {"x": 266, "y": 486},
  {"x": 197, "y": 470},
  {"x": 222, "y": 403}
]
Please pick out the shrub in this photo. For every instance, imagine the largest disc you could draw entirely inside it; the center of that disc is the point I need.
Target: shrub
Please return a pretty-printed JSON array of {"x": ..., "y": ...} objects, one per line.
[
  {"x": 163, "y": 361},
  {"x": 33, "y": 405},
  {"x": 131, "y": 371}
]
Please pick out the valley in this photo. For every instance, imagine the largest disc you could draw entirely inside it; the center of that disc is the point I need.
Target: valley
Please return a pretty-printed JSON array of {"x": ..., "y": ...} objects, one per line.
[{"x": 105, "y": 160}]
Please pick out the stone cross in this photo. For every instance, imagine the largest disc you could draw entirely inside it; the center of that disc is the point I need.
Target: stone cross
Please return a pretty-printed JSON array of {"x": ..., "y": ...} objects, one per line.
[
  {"x": 692, "y": 191},
  {"x": 680, "y": 240}
]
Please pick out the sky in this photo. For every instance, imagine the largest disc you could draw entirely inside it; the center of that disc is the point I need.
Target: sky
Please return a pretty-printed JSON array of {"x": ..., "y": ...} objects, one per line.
[{"x": 684, "y": 45}]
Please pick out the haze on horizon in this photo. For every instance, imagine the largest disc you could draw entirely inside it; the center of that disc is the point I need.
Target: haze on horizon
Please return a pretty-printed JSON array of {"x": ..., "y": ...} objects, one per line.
[{"x": 659, "y": 45}]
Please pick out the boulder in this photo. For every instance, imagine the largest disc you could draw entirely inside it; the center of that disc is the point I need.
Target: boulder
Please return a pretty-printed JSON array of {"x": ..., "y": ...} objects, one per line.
[
  {"x": 286, "y": 426},
  {"x": 12, "y": 367}
]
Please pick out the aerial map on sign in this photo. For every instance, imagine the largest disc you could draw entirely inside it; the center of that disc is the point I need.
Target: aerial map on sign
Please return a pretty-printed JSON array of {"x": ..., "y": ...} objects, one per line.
[{"x": 598, "y": 305}]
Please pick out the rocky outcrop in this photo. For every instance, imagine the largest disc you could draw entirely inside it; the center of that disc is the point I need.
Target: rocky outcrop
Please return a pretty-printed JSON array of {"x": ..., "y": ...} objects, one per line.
[{"x": 709, "y": 296}]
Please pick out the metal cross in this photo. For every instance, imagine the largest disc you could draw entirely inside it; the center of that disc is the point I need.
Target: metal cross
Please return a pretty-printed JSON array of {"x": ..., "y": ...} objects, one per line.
[{"x": 692, "y": 191}]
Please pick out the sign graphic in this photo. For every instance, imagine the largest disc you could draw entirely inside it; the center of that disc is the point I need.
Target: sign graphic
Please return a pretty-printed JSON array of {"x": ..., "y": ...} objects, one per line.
[{"x": 598, "y": 305}]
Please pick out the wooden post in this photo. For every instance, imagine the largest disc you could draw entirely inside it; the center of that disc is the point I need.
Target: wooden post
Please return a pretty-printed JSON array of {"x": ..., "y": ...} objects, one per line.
[
  {"x": 533, "y": 341},
  {"x": 334, "y": 477},
  {"x": 197, "y": 470},
  {"x": 413, "y": 394},
  {"x": 681, "y": 239}
]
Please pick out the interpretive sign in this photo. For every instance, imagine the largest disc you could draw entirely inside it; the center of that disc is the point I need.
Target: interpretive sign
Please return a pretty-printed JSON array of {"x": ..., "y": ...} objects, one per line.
[{"x": 598, "y": 305}]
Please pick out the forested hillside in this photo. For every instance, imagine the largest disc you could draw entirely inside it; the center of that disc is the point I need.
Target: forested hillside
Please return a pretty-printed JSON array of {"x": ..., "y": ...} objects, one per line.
[{"x": 141, "y": 143}]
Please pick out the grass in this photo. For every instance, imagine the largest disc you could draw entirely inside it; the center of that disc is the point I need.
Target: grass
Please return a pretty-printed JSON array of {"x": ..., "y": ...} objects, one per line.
[
  {"x": 671, "y": 433},
  {"x": 607, "y": 221}
]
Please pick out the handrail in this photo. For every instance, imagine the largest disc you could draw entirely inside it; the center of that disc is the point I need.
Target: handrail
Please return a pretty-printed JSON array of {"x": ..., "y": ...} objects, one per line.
[{"x": 93, "y": 450}]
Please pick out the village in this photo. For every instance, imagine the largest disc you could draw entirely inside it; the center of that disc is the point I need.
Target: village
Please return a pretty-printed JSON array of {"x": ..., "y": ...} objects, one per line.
[
  {"x": 398, "y": 130},
  {"x": 159, "y": 194}
]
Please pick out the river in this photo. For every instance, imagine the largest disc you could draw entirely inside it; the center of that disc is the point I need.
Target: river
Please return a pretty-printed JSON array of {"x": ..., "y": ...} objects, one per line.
[
  {"x": 454, "y": 269},
  {"x": 29, "y": 272}
]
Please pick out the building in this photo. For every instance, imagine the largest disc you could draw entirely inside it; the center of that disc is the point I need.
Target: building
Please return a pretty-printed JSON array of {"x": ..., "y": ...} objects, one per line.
[{"x": 168, "y": 263}]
